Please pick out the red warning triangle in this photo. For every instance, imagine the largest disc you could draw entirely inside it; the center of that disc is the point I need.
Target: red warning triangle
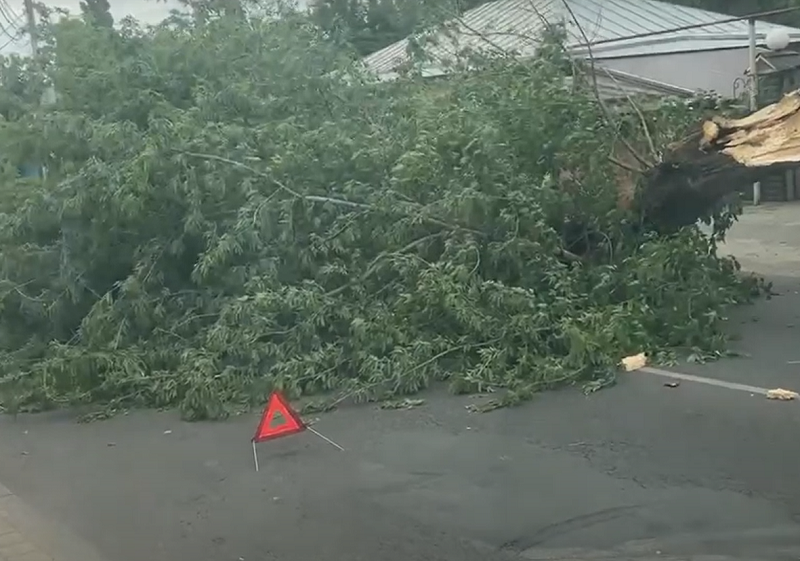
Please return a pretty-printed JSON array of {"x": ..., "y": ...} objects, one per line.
[{"x": 287, "y": 422}]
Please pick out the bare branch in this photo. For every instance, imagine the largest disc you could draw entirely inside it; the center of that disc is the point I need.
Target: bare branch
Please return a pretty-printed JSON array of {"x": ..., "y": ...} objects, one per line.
[
  {"x": 639, "y": 113},
  {"x": 593, "y": 72},
  {"x": 623, "y": 165}
]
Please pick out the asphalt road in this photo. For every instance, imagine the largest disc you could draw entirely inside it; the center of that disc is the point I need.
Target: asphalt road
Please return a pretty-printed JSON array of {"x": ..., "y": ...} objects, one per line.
[
  {"x": 644, "y": 469},
  {"x": 639, "y": 471}
]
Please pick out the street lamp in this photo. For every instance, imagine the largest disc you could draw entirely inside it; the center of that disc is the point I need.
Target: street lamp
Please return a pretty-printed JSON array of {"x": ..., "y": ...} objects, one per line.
[{"x": 777, "y": 39}]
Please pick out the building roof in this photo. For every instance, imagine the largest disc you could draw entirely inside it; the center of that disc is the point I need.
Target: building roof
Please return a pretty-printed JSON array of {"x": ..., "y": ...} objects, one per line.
[
  {"x": 514, "y": 25},
  {"x": 611, "y": 84},
  {"x": 614, "y": 84}
]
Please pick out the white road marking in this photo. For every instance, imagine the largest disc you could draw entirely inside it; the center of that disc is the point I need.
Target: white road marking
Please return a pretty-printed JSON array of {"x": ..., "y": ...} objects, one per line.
[{"x": 704, "y": 380}]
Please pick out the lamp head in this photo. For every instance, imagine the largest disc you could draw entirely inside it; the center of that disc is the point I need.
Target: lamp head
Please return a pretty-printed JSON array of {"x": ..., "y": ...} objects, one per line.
[{"x": 777, "y": 39}]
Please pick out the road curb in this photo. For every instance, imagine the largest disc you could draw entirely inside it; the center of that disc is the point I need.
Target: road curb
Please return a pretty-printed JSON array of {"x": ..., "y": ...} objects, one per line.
[{"x": 37, "y": 537}]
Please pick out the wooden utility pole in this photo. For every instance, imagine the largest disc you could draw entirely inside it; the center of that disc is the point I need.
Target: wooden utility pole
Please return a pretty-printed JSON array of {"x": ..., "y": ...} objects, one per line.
[{"x": 31, "y": 17}]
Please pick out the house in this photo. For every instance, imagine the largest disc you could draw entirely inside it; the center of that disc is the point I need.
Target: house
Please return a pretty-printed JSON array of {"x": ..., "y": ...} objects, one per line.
[
  {"x": 646, "y": 40},
  {"x": 640, "y": 46}
]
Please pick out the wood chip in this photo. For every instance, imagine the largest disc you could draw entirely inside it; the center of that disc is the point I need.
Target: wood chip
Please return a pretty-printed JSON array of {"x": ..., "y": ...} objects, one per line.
[
  {"x": 634, "y": 362},
  {"x": 782, "y": 395}
]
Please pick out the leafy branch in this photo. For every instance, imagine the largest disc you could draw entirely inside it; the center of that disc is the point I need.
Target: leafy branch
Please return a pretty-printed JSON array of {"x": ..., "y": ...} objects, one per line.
[{"x": 218, "y": 221}]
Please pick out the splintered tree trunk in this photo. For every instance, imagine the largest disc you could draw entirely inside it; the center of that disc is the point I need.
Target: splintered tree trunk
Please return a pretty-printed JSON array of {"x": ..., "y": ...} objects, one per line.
[{"x": 698, "y": 172}]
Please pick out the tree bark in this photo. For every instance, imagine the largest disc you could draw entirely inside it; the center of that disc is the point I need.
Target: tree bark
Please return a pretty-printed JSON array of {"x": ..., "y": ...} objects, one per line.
[{"x": 696, "y": 173}]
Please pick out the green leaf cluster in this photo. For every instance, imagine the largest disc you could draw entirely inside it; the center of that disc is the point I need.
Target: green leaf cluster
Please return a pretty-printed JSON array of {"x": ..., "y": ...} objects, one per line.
[{"x": 231, "y": 207}]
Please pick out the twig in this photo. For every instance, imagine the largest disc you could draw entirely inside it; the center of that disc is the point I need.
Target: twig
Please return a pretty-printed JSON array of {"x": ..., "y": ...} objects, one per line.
[
  {"x": 375, "y": 262},
  {"x": 419, "y": 366},
  {"x": 336, "y": 233},
  {"x": 317, "y": 198},
  {"x": 569, "y": 256},
  {"x": 593, "y": 73},
  {"x": 623, "y": 165},
  {"x": 638, "y": 112},
  {"x": 242, "y": 166}
]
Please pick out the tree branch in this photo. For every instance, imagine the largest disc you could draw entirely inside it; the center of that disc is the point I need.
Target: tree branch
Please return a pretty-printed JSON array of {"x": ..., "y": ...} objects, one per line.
[{"x": 593, "y": 72}]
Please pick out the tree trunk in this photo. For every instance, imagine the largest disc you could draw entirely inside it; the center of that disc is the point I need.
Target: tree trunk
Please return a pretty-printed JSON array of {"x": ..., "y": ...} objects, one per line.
[{"x": 698, "y": 172}]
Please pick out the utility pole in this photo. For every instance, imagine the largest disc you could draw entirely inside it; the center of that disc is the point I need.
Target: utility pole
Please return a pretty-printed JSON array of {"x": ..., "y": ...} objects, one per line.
[
  {"x": 31, "y": 17},
  {"x": 753, "y": 90}
]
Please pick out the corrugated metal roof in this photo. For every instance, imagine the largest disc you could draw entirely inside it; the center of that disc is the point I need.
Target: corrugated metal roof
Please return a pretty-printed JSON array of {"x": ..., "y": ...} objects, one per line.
[
  {"x": 611, "y": 84},
  {"x": 513, "y": 26},
  {"x": 614, "y": 84}
]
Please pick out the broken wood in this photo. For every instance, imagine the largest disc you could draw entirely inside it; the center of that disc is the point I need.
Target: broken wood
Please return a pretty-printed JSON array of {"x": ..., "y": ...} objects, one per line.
[
  {"x": 697, "y": 173},
  {"x": 768, "y": 137}
]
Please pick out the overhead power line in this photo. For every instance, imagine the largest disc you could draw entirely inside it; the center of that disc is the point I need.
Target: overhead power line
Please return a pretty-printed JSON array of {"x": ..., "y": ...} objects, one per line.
[
  {"x": 731, "y": 19},
  {"x": 8, "y": 43},
  {"x": 9, "y": 14},
  {"x": 13, "y": 26}
]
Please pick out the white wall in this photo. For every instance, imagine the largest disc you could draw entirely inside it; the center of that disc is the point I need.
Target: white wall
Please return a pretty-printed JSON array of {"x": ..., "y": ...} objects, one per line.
[{"x": 707, "y": 70}]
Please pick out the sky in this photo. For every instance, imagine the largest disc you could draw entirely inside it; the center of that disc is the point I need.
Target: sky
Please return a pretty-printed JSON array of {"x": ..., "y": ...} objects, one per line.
[{"x": 12, "y": 17}]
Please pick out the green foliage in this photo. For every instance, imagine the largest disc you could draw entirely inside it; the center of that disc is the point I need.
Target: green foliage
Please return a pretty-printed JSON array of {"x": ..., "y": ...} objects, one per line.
[
  {"x": 97, "y": 12},
  {"x": 230, "y": 208},
  {"x": 370, "y": 25}
]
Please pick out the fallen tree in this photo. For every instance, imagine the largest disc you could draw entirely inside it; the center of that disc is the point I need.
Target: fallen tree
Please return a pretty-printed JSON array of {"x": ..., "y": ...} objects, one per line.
[
  {"x": 220, "y": 219},
  {"x": 723, "y": 154}
]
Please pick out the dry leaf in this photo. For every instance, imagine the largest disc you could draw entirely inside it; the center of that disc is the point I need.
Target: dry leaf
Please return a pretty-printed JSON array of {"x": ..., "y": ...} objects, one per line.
[
  {"x": 782, "y": 395},
  {"x": 635, "y": 362}
]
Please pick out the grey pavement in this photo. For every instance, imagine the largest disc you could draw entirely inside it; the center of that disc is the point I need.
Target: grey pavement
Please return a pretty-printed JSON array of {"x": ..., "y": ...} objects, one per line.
[
  {"x": 766, "y": 241},
  {"x": 25, "y": 535},
  {"x": 767, "y": 340},
  {"x": 640, "y": 471},
  {"x": 640, "y": 468}
]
